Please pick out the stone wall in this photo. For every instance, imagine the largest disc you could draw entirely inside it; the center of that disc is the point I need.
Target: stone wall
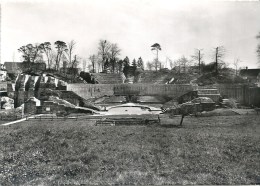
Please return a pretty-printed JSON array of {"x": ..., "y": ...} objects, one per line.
[
  {"x": 51, "y": 107},
  {"x": 253, "y": 97},
  {"x": 98, "y": 90},
  {"x": 27, "y": 86},
  {"x": 30, "y": 107},
  {"x": 232, "y": 91},
  {"x": 20, "y": 98},
  {"x": 87, "y": 91},
  {"x": 152, "y": 89},
  {"x": 242, "y": 93}
]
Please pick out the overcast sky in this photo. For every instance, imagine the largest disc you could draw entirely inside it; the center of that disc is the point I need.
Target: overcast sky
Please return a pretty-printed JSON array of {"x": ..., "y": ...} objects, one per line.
[{"x": 179, "y": 27}]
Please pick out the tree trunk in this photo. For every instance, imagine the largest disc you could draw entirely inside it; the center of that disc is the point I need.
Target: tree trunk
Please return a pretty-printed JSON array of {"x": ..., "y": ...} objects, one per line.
[
  {"x": 217, "y": 60},
  {"x": 182, "y": 116},
  {"x": 93, "y": 66},
  {"x": 56, "y": 65},
  {"x": 199, "y": 61}
]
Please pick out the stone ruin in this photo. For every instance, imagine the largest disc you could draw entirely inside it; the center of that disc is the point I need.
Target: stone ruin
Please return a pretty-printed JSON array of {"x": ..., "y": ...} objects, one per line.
[
  {"x": 27, "y": 87},
  {"x": 7, "y": 103},
  {"x": 52, "y": 93}
]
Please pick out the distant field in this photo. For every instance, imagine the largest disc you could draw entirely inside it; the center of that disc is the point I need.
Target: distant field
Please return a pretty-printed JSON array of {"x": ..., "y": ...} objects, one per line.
[{"x": 206, "y": 150}]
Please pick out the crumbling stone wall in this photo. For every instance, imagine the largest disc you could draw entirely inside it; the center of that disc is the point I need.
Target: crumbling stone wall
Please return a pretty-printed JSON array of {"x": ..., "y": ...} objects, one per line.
[
  {"x": 30, "y": 107},
  {"x": 27, "y": 86},
  {"x": 52, "y": 107}
]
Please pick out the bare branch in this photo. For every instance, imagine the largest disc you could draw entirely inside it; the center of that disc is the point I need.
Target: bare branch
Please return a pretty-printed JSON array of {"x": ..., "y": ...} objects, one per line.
[
  {"x": 71, "y": 47},
  {"x": 103, "y": 50}
]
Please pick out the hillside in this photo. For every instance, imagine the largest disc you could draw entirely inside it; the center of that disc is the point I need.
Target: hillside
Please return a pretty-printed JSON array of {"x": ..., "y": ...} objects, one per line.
[
  {"x": 163, "y": 77},
  {"x": 213, "y": 78},
  {"x": 70, "y": 78}
]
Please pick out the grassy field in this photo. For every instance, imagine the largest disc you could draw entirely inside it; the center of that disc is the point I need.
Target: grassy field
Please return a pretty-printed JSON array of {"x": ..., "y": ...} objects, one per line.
[{"x": 206, "y": 150}]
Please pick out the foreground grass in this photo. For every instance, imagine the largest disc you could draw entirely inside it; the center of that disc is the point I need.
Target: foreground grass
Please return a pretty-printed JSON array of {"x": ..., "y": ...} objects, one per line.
[{"x": 210, "y": 150}]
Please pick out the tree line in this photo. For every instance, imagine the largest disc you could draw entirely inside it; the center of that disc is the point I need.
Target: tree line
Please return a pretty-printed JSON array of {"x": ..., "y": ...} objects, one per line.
[
  {"x": 182, "y": 64},
  {"x": 107, "y": 59},
  {"x": 43, "y": 52}
]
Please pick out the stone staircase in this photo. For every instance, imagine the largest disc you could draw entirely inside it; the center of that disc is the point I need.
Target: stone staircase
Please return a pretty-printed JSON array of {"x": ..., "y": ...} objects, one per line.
[
  {"x": 210, "y": 92},
  {"x": 103, "y": 78}
]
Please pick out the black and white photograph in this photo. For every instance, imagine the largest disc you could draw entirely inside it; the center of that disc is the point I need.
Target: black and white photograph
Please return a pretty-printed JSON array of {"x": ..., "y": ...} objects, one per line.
[{"x": 129, "y": 92}]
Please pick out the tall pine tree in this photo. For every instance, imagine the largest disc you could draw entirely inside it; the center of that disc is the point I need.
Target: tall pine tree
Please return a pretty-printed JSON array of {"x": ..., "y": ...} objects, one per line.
[
  {"x": 134, "y": 63},
  {"x": 120, "y": 65},
  {"x": 126, "y": 61},
  {"x": 126, "y": 67},
  {"x": 106, "y": 66}
]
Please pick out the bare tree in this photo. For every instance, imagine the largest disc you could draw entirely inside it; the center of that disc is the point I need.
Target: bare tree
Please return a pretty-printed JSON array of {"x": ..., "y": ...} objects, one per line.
[
  {"x": 171, "y": 64},
  {"x": 181, "y": 64},
  {"x": 99, "y": 63},
  {"x": 153, "y": 65},
  {"x": 198, "y": 56},
  {"x": 46, "y": 49},
  {"x": 156, "y": 64},
  {"x": 185, "y": 63},
  {"x": 219, "y": 55},
  {"x": 52, "y": 58},
  {"x": 103, "y": 50},
  {"x": 84, "y": 65},
  {"x": 92, "y": 59},
  {"x": 236, "y": 64},
  {"x": 149, "y": 65},
  {"x": 89, "y": 66},
  {"x": 114, "y": 52},
  {"x": 177, "y": 64},
  {"x": 258, "y": 48},
  {"x": 64, "y": 62},
  {"x": 75, "y": 62},
  {"x": 71, "y": 47}
]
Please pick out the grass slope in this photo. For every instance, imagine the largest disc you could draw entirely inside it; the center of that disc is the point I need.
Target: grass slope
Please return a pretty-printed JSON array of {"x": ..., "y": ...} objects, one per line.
[
  {"x": 222, "y": 78},
  {"x": 208, "y": 150}
]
